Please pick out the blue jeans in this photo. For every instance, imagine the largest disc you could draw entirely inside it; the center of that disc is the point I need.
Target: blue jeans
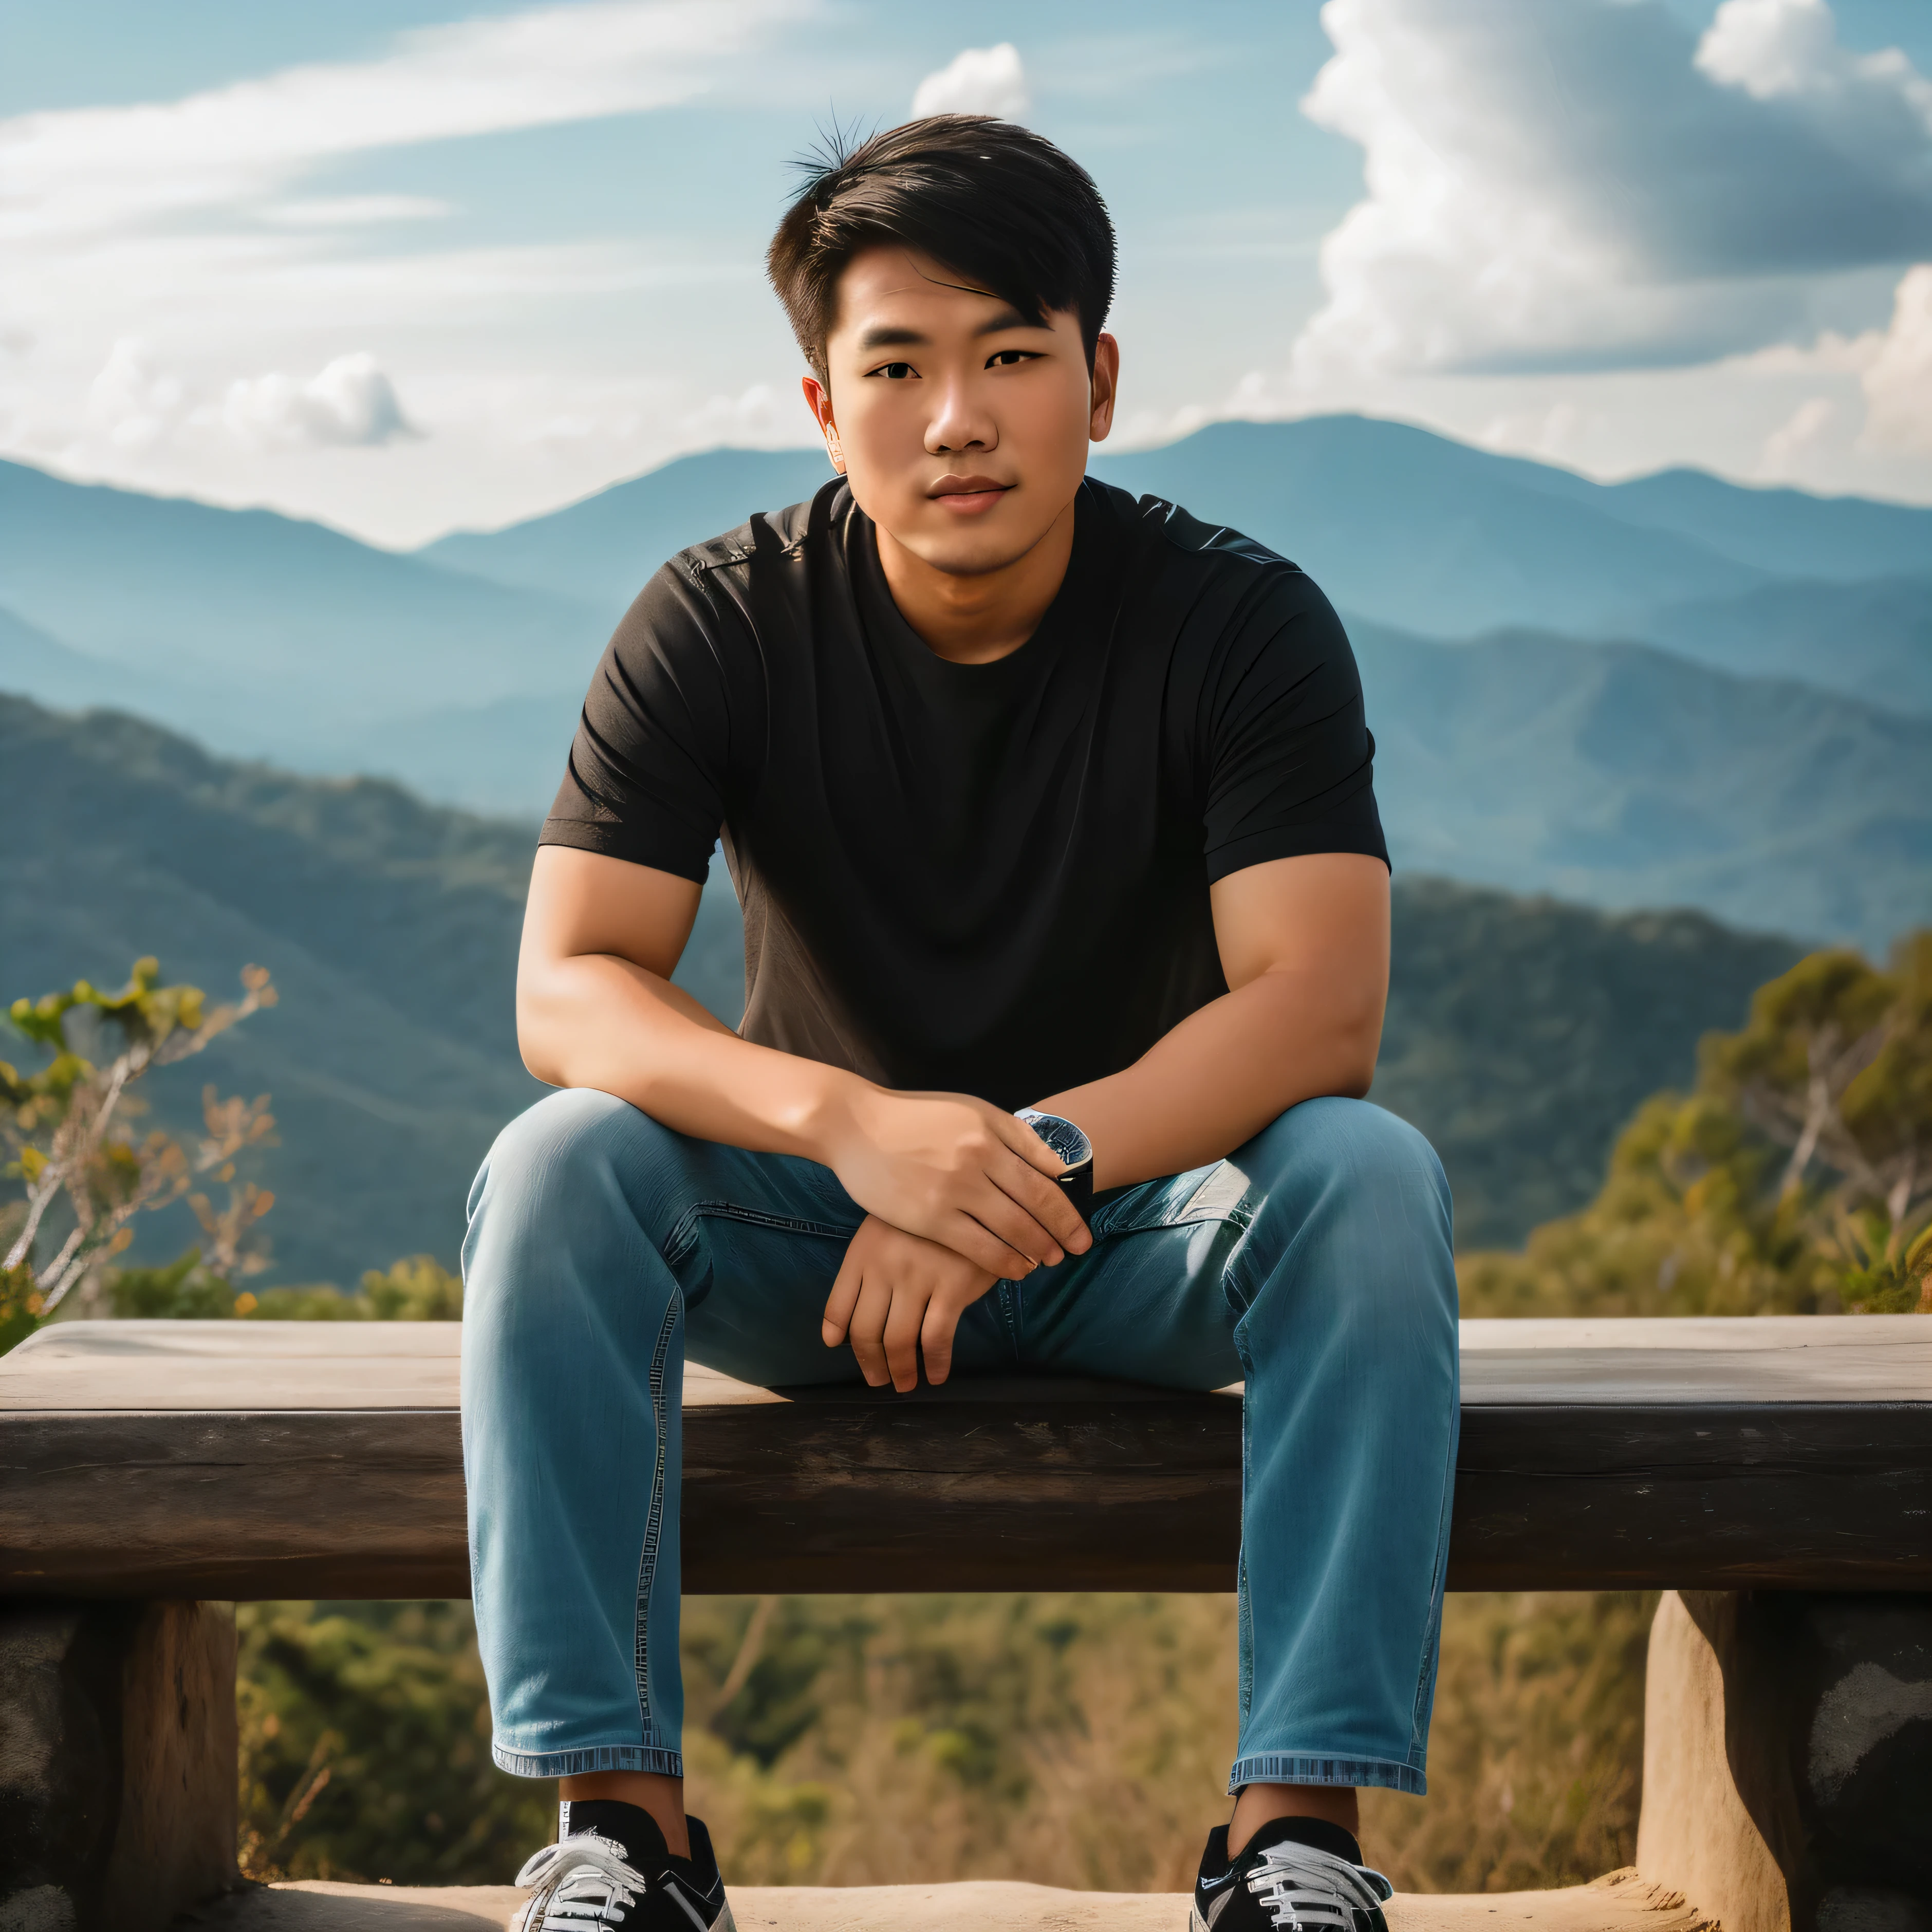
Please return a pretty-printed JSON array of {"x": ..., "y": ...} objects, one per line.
[{"x": 1314, "y": 1263}]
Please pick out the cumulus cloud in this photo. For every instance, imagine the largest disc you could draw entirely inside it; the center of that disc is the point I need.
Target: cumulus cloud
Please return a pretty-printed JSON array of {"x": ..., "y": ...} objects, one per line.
[
  {"x": 979, "y": 80},
  {"x": 137, "y": 403},
  {"x": 351, "y": 403},
  {"x": 73, "y": 169},
  {"x": 1898, "y": 378},
  {"x": 134, "y": 402},
  {"x": 1788, "y": 450},
  {"x": 1581, "y": 184}
]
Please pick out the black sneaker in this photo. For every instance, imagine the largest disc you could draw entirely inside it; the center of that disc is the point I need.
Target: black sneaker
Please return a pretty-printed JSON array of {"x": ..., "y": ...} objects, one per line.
[
  {"x": 591, "y": 1883},
  {"x": 1278, "y": 1884}
]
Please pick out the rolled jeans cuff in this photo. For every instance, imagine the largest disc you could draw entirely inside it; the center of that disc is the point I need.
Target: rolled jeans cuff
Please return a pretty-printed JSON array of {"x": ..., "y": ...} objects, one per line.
[
  {"x": 597, "y": 1757},
  {"x": 1281, "y": 1767}
]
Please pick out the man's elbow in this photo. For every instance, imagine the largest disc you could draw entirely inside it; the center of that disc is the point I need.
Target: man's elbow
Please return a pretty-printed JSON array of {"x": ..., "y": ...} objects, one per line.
[
  {"x": 537, "y": 1042},
  {"x": 1357, "y": 1047}
]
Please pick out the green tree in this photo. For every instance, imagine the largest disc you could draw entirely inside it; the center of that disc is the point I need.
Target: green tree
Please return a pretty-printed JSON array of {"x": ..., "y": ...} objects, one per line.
[
  {"x": 67, "y": 1135},
  {"x": 1797, "y": 1178}
]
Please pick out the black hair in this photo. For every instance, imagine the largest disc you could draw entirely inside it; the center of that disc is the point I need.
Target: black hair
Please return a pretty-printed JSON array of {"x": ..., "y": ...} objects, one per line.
[{"x": 1001, "y": 208}]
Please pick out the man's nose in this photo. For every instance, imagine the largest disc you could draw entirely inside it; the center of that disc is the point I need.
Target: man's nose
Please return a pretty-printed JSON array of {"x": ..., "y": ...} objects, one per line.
[{"x": 960, "y": 423}]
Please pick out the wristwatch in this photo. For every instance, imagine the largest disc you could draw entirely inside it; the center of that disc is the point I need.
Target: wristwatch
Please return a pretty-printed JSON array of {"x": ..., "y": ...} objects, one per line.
[{"x": 1073, "y": 1147}]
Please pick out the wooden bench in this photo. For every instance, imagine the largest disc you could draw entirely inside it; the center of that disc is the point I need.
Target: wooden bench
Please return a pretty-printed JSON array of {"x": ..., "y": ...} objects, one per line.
[{"x": 1777, "y": 1472}]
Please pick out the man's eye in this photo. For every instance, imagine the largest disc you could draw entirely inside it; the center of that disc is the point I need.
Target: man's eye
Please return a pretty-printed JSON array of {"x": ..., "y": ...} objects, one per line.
[
  {"x": 896, "y": 372},
  {"x": 1008, "y": 359}
]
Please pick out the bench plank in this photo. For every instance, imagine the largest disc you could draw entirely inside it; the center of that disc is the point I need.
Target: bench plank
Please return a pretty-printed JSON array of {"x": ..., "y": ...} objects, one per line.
[{"x": 232, "y": 1460}]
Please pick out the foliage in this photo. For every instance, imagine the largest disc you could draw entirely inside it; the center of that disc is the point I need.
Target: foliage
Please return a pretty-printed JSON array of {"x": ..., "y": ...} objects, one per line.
[
  {"x": 1068, "y": 1739},
  {"x": 1797, "y": 1178},
  {"x": 1521, "y": 1033},
  {"x": 66, "y": 1131},
  {"x": 417, "y": 1289},
  {"x": 365, "y": 1748},
  {"x": 1536, "y": 1754}
]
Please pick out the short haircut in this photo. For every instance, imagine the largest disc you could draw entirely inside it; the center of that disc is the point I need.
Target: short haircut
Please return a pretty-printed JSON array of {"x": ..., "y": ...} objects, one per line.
[{"x": 1002, "y": 209}]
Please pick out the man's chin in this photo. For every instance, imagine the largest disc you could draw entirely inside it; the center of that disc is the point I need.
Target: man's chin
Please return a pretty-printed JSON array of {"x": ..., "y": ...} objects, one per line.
[{"x": 978, "y": 553}]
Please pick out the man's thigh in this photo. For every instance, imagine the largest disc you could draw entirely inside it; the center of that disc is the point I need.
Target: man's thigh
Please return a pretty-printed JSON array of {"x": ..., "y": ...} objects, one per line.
[
  {"x": 756, "y": 1244},
  {"x": 1148, "y": 1302}
]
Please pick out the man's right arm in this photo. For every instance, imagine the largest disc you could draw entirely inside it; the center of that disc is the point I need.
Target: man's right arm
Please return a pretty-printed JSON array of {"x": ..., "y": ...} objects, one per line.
[{"x": 595, "y": 1008}]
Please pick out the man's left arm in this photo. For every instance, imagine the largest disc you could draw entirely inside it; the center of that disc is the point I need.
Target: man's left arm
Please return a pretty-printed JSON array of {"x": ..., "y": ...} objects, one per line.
[{"x": 1304, "y": 945}]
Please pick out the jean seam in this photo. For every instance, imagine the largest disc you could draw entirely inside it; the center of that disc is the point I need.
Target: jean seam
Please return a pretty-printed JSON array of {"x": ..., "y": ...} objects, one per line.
[
  {"x": 684, "y": 1237},
  {"x": 1244, "y": 1614},
  {"x": 1418, "y": 1735},
  {"x": 647, "y": 1558},
  {"x": 1010, "y": 1315}
]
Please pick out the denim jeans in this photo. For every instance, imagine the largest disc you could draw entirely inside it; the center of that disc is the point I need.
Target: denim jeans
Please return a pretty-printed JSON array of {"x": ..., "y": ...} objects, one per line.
[{"x": 1313, "y": 1263}]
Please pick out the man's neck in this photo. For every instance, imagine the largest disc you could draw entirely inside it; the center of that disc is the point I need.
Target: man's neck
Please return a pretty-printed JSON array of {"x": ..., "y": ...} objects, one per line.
[{"x": 979, "y": 619}]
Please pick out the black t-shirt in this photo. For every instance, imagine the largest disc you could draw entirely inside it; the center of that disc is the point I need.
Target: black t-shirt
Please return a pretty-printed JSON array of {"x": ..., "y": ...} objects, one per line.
[{"x": 989, "y": 879}]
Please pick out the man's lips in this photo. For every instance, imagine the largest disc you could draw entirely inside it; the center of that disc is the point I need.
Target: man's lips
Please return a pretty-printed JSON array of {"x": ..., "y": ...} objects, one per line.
[{"x": 963, "y": 495}]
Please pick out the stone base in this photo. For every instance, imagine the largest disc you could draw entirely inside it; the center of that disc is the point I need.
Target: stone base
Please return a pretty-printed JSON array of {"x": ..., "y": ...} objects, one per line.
[
  {"x": 1620, "y": 1903},
  {"x": 117, "y": 1763},
  {"x": 1787, "y": 1762}
]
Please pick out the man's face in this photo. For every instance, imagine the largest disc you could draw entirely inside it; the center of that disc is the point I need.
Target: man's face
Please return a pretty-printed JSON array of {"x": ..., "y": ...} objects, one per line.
[{"x": 961, "y": 427}]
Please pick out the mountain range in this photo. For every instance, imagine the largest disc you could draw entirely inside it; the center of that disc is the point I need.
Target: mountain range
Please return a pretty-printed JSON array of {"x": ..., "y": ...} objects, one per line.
[
  {"x": 1521, "y": 1033},
  {"x": 1671, "y": 691}
]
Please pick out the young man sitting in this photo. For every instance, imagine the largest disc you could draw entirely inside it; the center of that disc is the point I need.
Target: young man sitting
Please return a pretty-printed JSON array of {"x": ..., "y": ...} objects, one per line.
[{"x": 1035, "y": 797}]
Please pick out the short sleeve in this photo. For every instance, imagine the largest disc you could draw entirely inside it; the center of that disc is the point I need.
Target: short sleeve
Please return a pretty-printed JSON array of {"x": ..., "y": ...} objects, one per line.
[
  {"x": 649, "y": 769},
  {"x": 1290, "y": 762}
]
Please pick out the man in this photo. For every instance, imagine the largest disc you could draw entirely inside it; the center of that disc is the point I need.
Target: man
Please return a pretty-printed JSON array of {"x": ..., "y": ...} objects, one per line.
[{"x": 1035, "y": 797}]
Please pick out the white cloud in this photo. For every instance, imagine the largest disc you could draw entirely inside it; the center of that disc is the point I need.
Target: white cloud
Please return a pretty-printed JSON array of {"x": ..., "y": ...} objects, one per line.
[
  {"x": 1773, "y": 49},
  {"x": 1893, "y": 366},
  {"x": 351, "y": 403},
  {"x": 355, "y": 211},
  {"x": 1788, "y": 449},
  {"x": 1582, "y": 185},
  {"x": 77, "y": 169},
  {"x": 1897, "y": 380},
  {"x": 979, "y": 80},
  {"x": 135, "y": 402}
]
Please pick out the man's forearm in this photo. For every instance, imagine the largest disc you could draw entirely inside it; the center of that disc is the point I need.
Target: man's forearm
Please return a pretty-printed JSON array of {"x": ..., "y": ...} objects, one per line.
[
  {"x": 947, "y": 1167},
  {"x": 1224, "y": 1073},
  {"x": 597, "y": 1021}
]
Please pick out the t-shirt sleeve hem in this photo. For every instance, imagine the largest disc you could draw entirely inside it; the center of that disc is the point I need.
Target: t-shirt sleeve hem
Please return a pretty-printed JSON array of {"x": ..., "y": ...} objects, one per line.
[
  {"x": 1296, "y": 841},
  {"x": 636, "y": 845}
]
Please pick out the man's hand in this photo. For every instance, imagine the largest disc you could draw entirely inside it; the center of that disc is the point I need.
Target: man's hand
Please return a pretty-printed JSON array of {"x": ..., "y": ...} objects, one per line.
[
  {"x": 962, "y": 1174},
  {"x": 897, "y": 1297}
]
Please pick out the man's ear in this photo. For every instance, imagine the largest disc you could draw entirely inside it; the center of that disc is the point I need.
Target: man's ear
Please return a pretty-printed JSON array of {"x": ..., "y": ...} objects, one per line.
[
  {"x": 1105, "y": 386},
  {"x": 818, "y": 400}
]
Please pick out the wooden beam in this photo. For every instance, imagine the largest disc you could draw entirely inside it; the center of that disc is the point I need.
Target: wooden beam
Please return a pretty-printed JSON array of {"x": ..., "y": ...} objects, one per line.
[{"x": 289, "y": 1459}]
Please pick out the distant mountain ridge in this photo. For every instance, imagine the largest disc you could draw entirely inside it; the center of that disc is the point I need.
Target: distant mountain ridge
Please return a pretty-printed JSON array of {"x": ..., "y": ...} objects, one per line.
[
  {"x": 1523, "y": 757},
  {"x": 1520, "y": 1034},
  {"x": 265, "y": 624},
  {"x": 1623, "y": 776},
  {"x": 1396, "y": 523}
]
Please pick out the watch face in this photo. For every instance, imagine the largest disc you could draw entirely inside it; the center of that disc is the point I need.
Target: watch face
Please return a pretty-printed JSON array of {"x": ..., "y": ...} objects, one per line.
[
  {"x": 1063, "y": 1136},
  {"x": 1073, "y": 1147}
]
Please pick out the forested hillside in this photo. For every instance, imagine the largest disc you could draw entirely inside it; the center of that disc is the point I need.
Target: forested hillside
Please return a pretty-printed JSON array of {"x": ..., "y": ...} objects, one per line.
[{"x": 1520, "y": 1032}]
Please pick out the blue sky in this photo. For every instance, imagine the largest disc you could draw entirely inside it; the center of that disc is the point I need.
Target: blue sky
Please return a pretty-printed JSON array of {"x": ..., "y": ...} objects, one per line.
[{"x": 407, "y": 267}]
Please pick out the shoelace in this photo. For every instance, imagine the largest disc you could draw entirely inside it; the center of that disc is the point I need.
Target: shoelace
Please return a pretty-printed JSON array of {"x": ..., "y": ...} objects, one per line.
[
  {"x": 1299, "y": 1886},
  {"x": 584, "y": 1881}
]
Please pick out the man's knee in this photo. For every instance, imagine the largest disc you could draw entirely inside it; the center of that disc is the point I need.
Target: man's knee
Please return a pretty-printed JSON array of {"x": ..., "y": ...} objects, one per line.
[
  {"x": 567, "y": 1158},
  {"x": 1366, "y": 1184},
  {"x": 1369, "y": 1151}
]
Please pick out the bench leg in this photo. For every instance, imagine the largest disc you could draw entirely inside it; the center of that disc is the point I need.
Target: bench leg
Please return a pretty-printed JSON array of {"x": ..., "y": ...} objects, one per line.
[
  {"x": 1787, "y": 1759},
  {"x": 117, "y": 1762}
]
